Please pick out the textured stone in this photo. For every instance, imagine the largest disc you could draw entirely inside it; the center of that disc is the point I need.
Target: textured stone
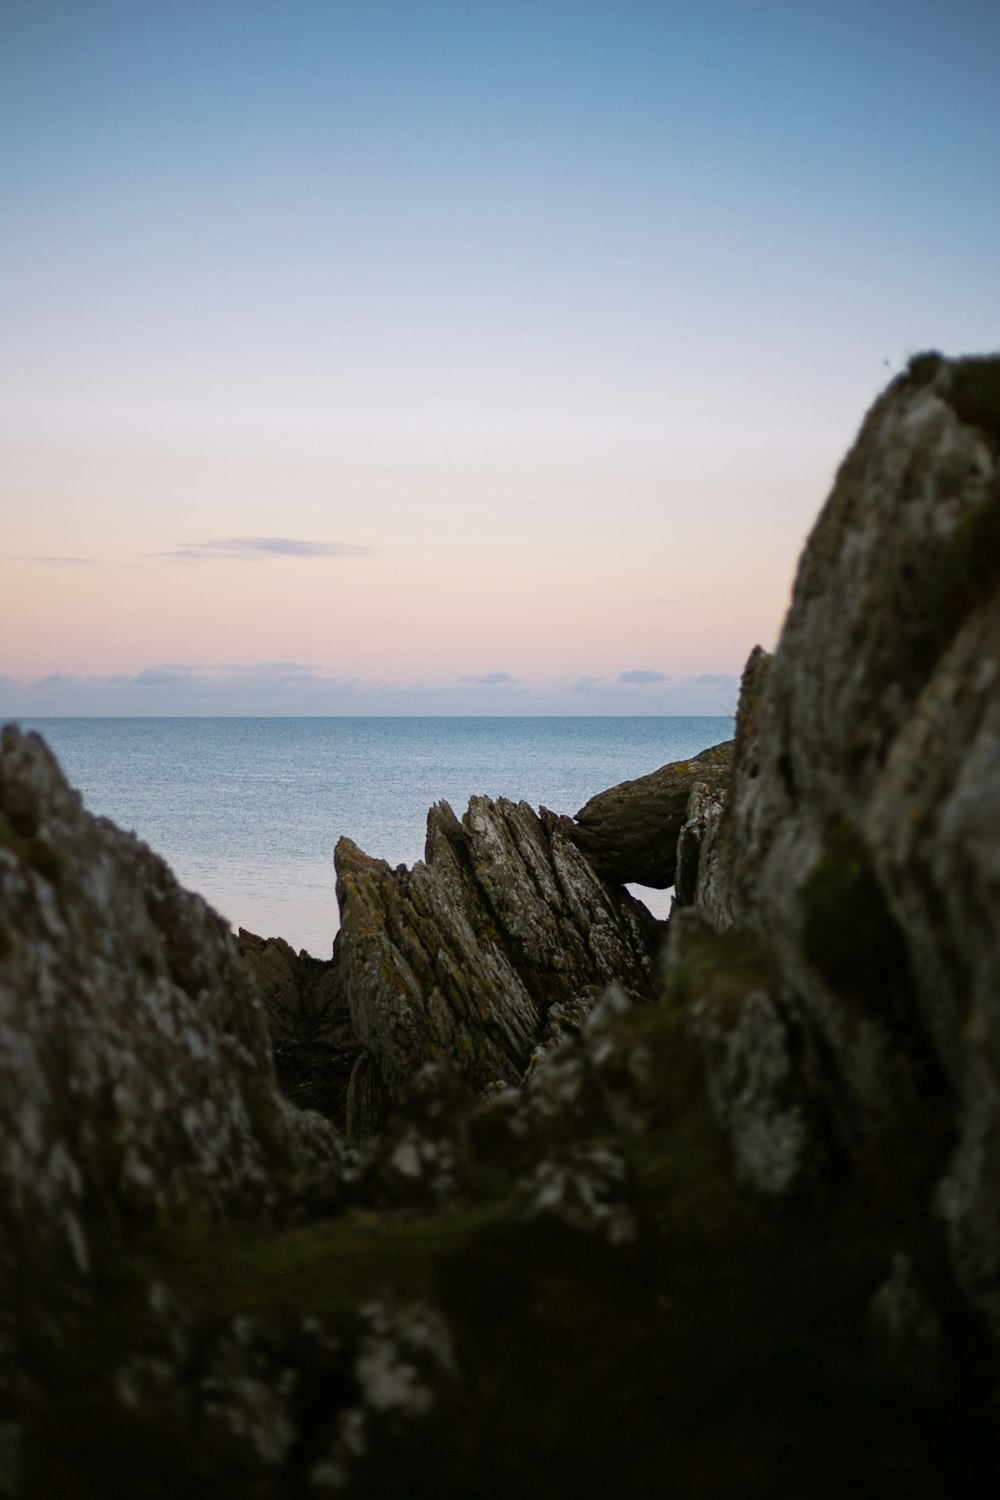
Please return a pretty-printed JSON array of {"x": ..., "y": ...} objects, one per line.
[
  {"x": 769, "y": 1084},
  {"x": 863, "y": 829},
  {"x": 468, "y": 954},
  {"x": 136, "y": 1081},
  {"x": 630, "y": 832}
]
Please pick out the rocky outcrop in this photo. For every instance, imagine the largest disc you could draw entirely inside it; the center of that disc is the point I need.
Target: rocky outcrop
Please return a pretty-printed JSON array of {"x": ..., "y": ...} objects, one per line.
[
  {"x": 742, "y": 1240},
  {"x": 136, "y": 1083},
  {"x": 863, "y": 830},
  {"x": 312, "y": 1035},
  {"x": 478, "y": 950},
  {"x": 630, "y": 832}
]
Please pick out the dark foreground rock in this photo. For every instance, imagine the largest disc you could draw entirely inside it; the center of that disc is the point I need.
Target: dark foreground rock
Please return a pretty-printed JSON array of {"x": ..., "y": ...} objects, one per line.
[
  {"x": 630, "y": 832},
  {"x": 136, "y": 1082}
]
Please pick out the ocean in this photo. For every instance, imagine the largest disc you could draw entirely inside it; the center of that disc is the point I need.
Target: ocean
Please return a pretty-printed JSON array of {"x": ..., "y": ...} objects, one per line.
[{"x": 247, "y": 811}]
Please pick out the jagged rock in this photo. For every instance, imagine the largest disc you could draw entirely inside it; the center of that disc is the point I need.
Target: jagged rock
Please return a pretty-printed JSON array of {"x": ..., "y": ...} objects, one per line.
[
  {"x": 312, "y": 1035},
  {"x": 695, "y": 846},
  {"x": 136, "y": 1082},
  {"x": 704, "y": 843},
  {"x": 466, "y": 955},
  {"x": 863, "y": 831},
  {"x": 600, "y": 1080},
  {"x": 630, "y": 832}
]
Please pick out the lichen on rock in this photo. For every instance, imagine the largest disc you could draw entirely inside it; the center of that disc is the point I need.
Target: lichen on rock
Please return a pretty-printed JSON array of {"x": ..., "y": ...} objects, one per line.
[{"x": 478, "y": 951}]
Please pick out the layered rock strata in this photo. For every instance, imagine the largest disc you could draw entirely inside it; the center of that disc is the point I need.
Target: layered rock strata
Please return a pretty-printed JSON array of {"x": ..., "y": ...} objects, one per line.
[{"x": 475, "y": 952}]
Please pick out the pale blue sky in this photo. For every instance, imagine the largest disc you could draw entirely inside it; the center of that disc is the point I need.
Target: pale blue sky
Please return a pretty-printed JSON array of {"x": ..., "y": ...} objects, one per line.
[{"x": 526, "y": 317}]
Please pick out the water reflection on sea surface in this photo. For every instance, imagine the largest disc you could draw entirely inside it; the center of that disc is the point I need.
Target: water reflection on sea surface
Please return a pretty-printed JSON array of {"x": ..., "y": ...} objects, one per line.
[{"x": 247, "y": 811}]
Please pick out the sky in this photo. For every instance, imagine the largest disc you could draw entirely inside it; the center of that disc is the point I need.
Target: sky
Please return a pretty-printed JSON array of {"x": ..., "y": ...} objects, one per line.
[{"x": 457, "y": 356}]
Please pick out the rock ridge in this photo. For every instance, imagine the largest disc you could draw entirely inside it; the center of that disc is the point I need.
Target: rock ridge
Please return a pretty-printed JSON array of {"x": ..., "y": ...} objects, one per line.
[{"x": 468, "y": 954}]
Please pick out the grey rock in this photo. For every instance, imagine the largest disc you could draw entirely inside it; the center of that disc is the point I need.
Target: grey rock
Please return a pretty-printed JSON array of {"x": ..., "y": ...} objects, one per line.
[
  {"x": 696, "y": 843},
  {"x": 863, "y": 829},
  {"x": 467, "y": 955},
  {"x": 136, "y": 1080},
  {"x": 769, "y": 1084},
  {"x": 630, "y": 832}
]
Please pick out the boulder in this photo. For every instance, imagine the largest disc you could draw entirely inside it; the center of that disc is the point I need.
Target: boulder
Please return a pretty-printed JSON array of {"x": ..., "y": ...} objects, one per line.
[
  {"x": 862, "y": 837},
  {"x": 468, "y": 954},
  {"x": 136, "y": 1081},
  {"x": 630, "y": 832}
]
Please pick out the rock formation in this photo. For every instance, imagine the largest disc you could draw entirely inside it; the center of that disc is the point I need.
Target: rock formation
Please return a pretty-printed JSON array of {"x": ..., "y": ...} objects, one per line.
[
  {"x": 479, "y": 950},
  {"x": 863, "y": 836},
  {"x": 136, "y": 1082},
  {"x": 136, "y": 1075},
  {"x": 741, "y": 1240},
  {"x": 630, "y": 832}
]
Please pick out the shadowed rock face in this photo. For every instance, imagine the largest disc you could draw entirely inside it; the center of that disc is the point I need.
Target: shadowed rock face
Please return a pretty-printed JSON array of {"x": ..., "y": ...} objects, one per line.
[
  {"x": 136, "y": 1079},
  {"x": 862, "y": 838},
  {"x": 630, "y": 832},
  {"x": 312, "y": 1034},
  {"x": 467, "y": 954}
]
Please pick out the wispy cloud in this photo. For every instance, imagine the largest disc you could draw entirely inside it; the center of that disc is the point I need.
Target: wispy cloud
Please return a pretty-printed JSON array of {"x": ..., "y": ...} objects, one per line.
[
  {"x": 293, "y": 688},
  {"x": 714, "y": 679},
  {"x": 65, "y": 562},
  {"x": 253, "y": 548},
  {"x": 491, "y": 679},
  {"x": 641, "y": 675}
]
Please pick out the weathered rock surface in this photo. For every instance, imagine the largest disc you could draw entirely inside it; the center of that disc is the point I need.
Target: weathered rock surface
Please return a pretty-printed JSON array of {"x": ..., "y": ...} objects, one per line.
[
  {"x": 630, "y": 832},
  {"x": 312, "y": 1035},
  {"x": 468, "y": 954},
  {"x": 136, "y": 1083},
  {"x": 863, "y": 832}
]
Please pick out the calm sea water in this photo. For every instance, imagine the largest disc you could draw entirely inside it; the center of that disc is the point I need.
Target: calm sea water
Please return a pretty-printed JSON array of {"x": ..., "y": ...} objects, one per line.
[{"x": 247, "y": 811}]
